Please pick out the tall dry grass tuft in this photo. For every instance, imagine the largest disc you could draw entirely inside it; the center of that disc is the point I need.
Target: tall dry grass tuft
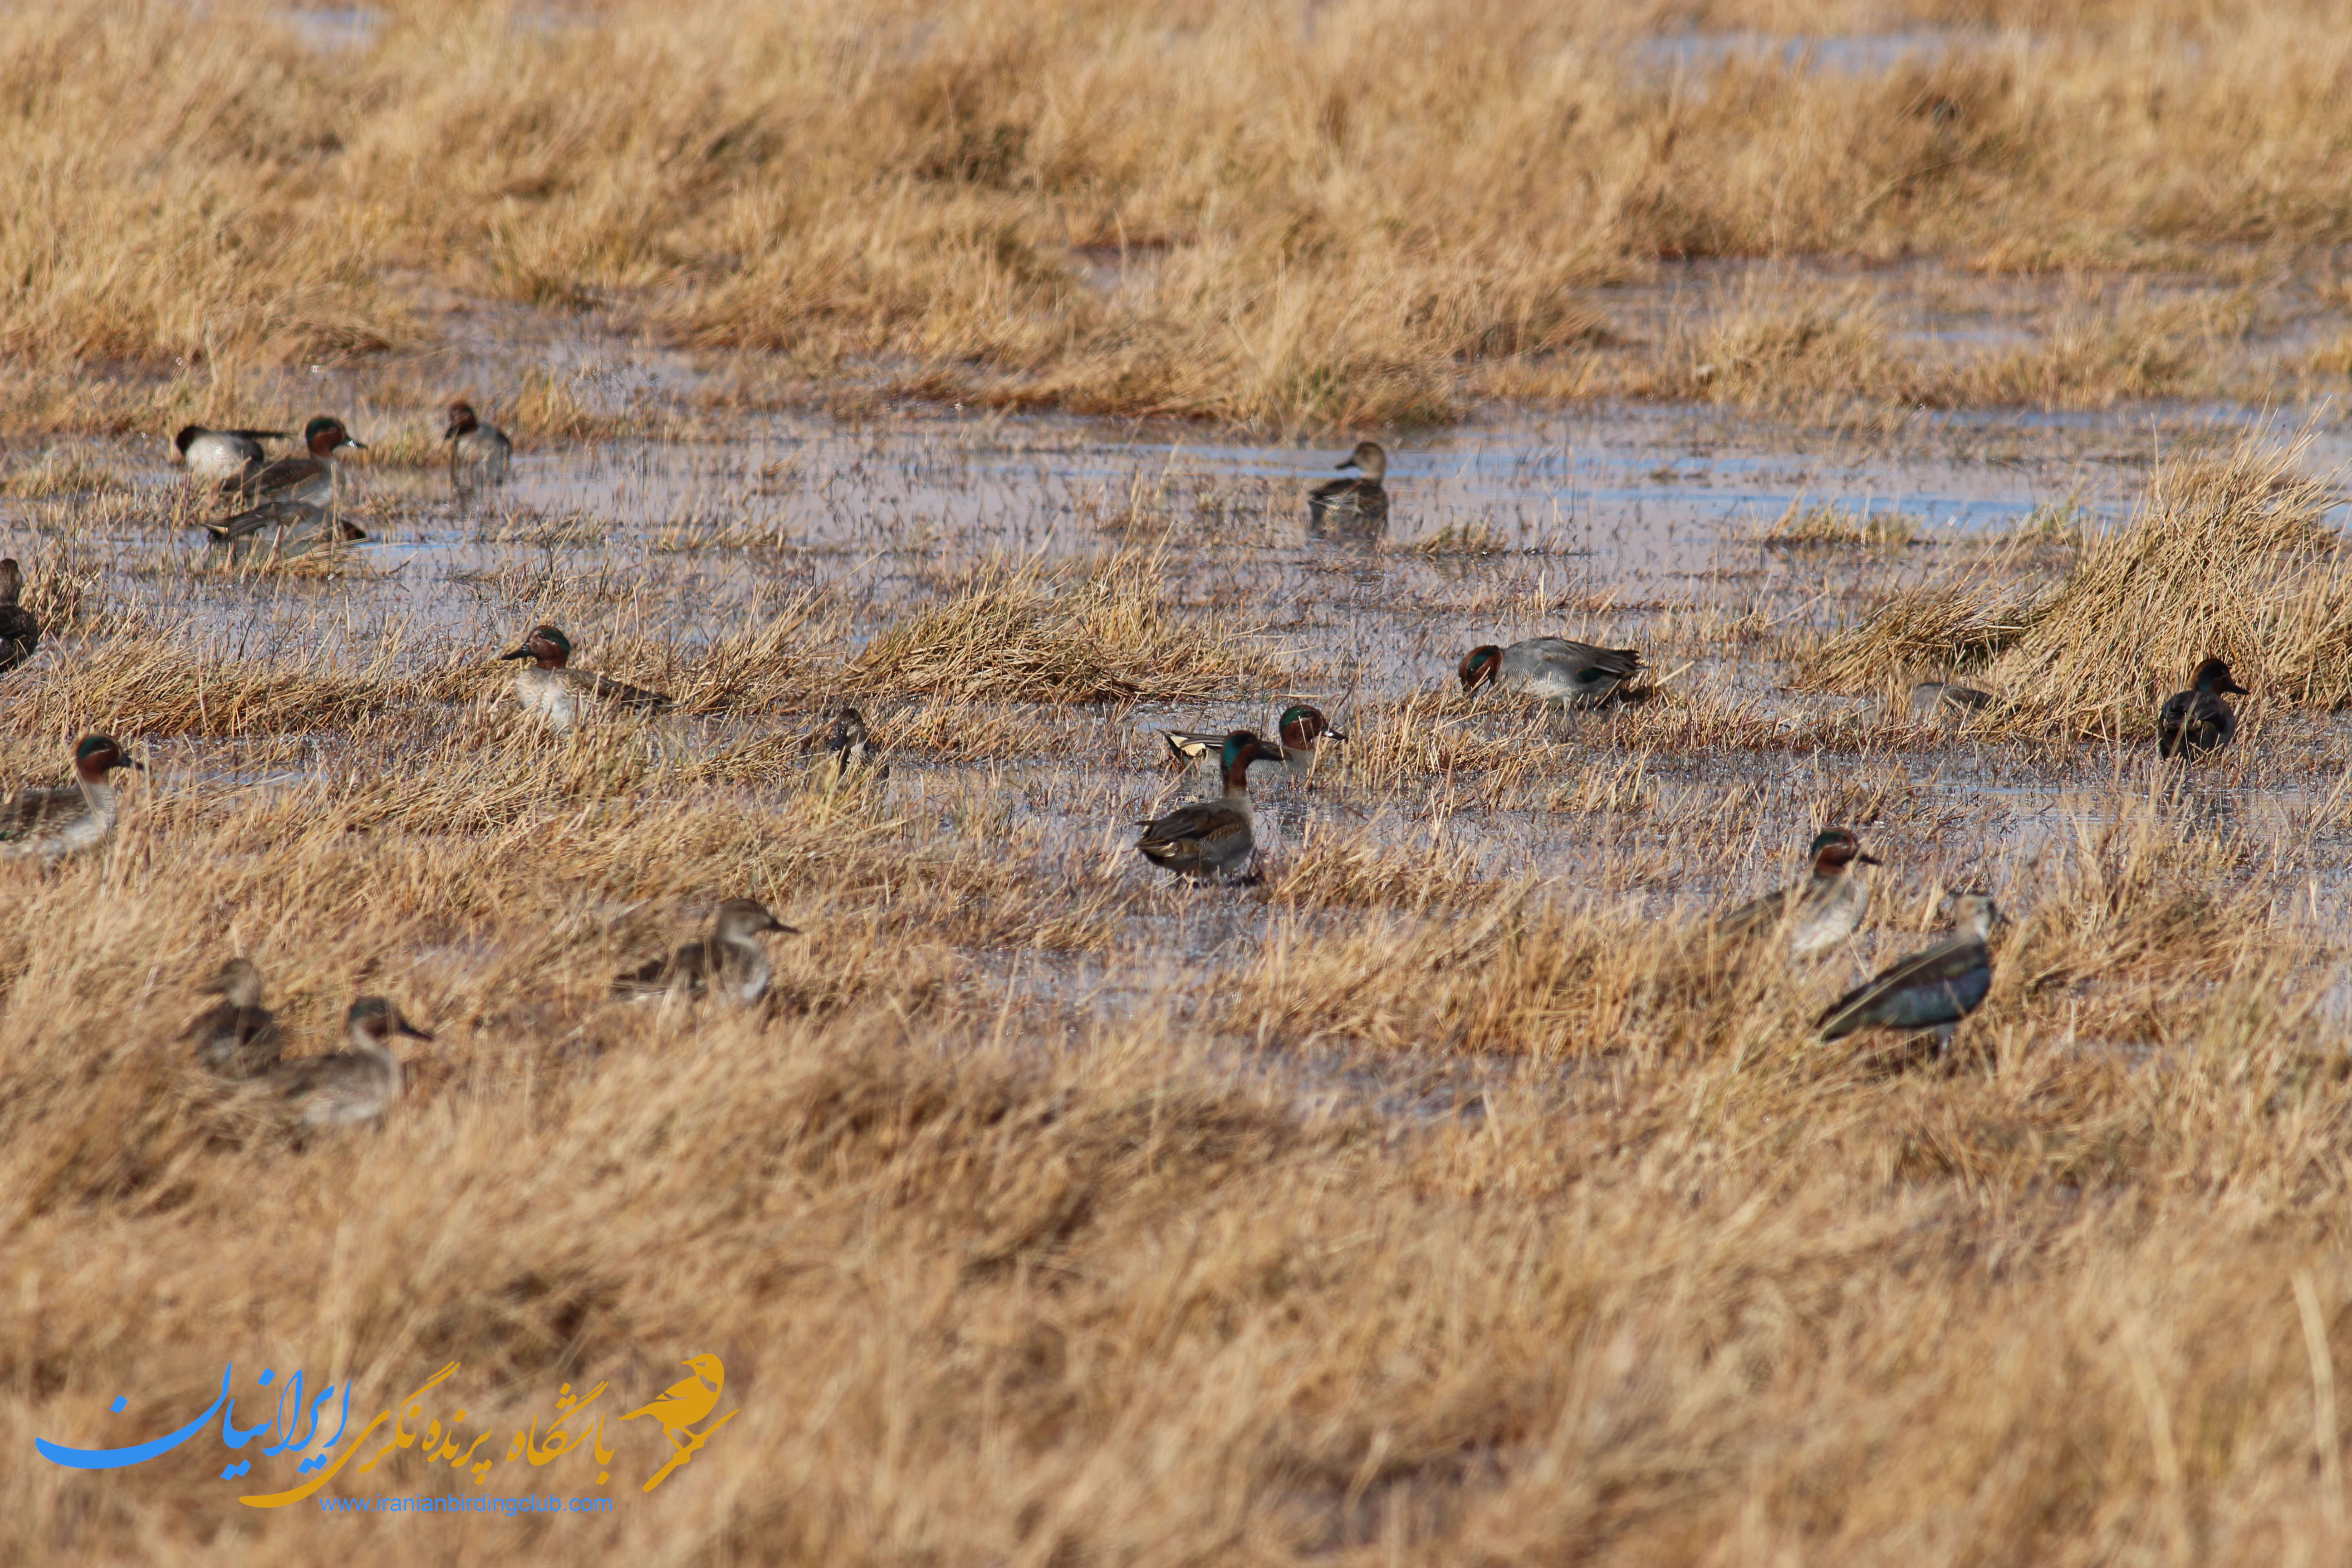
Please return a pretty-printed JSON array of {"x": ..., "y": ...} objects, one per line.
[
  {"x": 1016, "y": 631},
  {"x": 2227, "y": 557}
]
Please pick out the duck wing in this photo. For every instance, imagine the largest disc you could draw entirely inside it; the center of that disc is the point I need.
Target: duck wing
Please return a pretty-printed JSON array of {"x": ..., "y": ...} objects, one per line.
[
  {"x": 36, "y": 809},
  {"x": 1941, "y": 985},
  {"x": 20, "y": 636},
  {"x": 1192, "y": 745},
  {"x": 620, "y": 692},
  {"x": 1190, "y": 838},
  {"x": 688, "y": 968},
  {"x": 283, "y": 474},
  {"x": 283, "y": 514},
  {"x": 1347, "y": 500},
  {"x": 1616, "y": 663},
  {"x": 1754, "y": 918}
]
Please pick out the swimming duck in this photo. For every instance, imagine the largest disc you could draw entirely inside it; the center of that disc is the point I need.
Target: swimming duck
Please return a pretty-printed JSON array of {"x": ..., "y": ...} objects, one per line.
[
  {"x": 223, "y": 454},
  {"x": 1300, "y": 727},
  {"x": 1932, "y": 989},
  {"x": 20, "y": 633},
  {"x": 728, "y": 962},
  {"x": 54, "y": 823},
  {"x": 2196, "y": 721},
  {"x": 846, "y": 748},
  {"x": 1553, "y": 669},
  {"x": 479, "y": 453},
  {"x": 344, "y": 1087},
  {"x": 562, "y": 696},
  {"x": 282, "y": 529},
  {"x": 1817, "y": 913},
  {"x": 1339, "y": 503},
  {"x": 306, "y": 479},
  {"x": 1941, "y": 702},
  {"x": 236, "y": 1036},
  {"x": 1215, "y": 836}
]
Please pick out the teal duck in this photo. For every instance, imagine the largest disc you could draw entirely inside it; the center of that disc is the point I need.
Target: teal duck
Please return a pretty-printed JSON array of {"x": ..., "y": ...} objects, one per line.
[
  {"x": 1214, "y": 836},
  {"x": 1942, "y": 702},
  {"x": 479, "y": 453},
  {"x": 50, "y": 824},
  {"x": 2197, "y": 721},
  {"x": 1552, "y": 668},
  {"x": 848, "y": 752},
  {"x": 562, "y": 697},
  {"x": 281, "y": 530},
  {"x": 236, "y": 1036},
  {"x": 1817, "y": 913},
  {"x": 1302, "y": 727},
  {"x": 20, "y": 633},
  {"x": 1358, "y": 503},
  {"x": 311, "y": 477},
  {"x": 1932, "y": 989},
  {"x": 728, "y": 963},
  {"x": 223, "y": 454},
  {"x": 346, "y": 1087}
]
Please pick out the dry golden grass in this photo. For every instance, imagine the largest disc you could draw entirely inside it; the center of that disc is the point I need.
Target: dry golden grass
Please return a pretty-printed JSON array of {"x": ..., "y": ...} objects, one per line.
[
  {"x": 2227, "y": 557},
  {"x": 1289, "y": 216}
]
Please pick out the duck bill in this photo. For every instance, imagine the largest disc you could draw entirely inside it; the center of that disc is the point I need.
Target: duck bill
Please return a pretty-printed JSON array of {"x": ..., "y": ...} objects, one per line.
[
  {"x": 1869, "y": 860},
  {"x": 777, "y": 925},
  {"x": 1333, "y": 735},
  {"x": 522, "y": 652},
  {"x": 403, "y": 1027},
  {"x": 352, "y": 441},
  {"x": 1347, "y": 463}
]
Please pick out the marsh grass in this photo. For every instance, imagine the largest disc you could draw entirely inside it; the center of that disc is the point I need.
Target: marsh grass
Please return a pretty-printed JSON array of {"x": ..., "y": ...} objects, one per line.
[
  {"x": 1016, "y": 631},
  {"x": 1216, "y": 214}
]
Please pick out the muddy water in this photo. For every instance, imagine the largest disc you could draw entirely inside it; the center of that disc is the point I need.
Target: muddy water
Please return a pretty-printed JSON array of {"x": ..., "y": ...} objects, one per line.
[{"x": 1626, "y": 526}]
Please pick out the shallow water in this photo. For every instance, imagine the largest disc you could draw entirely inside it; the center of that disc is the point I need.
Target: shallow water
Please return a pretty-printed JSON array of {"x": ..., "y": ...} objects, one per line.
[{"x": 1619, "y": 525}]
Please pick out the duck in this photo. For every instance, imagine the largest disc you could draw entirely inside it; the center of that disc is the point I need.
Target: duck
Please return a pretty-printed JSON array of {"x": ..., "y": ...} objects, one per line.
[
  {"x": 1942, "y": 702},
  {"x": 346, "y": 1088},
  {"x": 20, "y": 633},
  {"x": 2197, "y": 722},
  {"x": 311, "y": 477},
  {"x": 1300, "y": 727},
  {"x": 479, "y": 453},
  {"x": 1934, "y": 989},
  {"x": 236, "y": 1036},
  {"x": 847, "y": 750},
  {"x": 223, "y": 454},
  {"x": 1815, "y": 914},
  {"x": 1340, "y": 503},
  {"x": 282, "y": 529},
  {"x": 1553, "y": 669},
  {"x": 50, "y": 824},
  {"x": 1212, "y": 837},
  {"x": 726, "y": 962},
  {"x": 561, "y": 696}
]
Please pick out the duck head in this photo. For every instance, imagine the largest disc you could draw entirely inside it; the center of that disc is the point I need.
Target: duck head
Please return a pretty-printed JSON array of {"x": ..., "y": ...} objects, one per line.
[
  {"x": 98, "y": 755},
  {"x": 1303, "y": 725},
  {"x": 374, "y": 1021},
  {"x": 1482, "y": 663},
  {"x": 324, "y": 435},
  {"x": 238, "y": 982},
  {"x": 740, "y": 918},
  {"x": 546, "y": 647},
  {"x": 462, "y": 419},
  {"x": 2214, "y": 677},
  {"x": 1370, "y": 456},
  {"x": 12, "y": 580},
  {"x": 1973, "y": 913},
  {"x": 1242, "y": 748},
  {"x": 186, "y": 439},
  {"x": 1834, "y": 849}
]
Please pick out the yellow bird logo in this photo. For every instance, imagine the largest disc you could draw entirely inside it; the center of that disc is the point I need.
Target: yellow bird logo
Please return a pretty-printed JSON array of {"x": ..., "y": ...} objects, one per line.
[{"x": 687, "y": 1401}]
